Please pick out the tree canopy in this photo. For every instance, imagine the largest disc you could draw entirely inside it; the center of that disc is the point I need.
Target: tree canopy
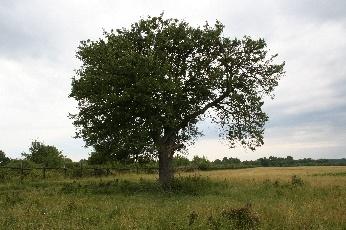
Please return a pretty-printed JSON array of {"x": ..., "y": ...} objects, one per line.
[
  {"x": 46, "y": 155},
  {"x": 141, "y": 90}
]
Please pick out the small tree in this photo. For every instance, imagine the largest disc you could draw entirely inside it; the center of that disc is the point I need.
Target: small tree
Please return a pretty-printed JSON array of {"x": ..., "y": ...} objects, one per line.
[
  {"x": 142, "y": 90},
  {"x": 3, "y": 159},
  {"x": 46, "y": 155}
]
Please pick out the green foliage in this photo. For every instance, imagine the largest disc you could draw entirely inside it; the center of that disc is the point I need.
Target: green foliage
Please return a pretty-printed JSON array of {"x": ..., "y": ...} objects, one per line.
[
  {"x": 242, "y": 218},
  {"x": 192, "y": 217},
  {"x": 202, "y": 163},
  {"x": 141, "y": 90},
  {"x": 98, "y": 158},
  {"x": 230, "y": 160},
  {"x": 289, "y": 161},
  {"x": 18, "y": 163},
  {"x": 45, "y": 155},
  {"x": 3, "y": 159},
  {"x": 296, "y": 181},
  {"x": 180, "y": 161},
  {"x": 235, "y": 218}
]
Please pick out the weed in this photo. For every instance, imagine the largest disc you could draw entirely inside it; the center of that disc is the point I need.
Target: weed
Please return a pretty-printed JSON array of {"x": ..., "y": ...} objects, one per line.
[
  {"x": 192, "y": 217},
  {"x": 296, "y": 181},
  {"x": 71, "y": 206},
  {"x": 276, "y": 183},
  {"x": 214, "y": 223},
  {"x": 115, "y": 212},
  {"x": 71, "y": 187},
  {"x": 13, "y": 198},
  {"x": 242, "y": 218}
]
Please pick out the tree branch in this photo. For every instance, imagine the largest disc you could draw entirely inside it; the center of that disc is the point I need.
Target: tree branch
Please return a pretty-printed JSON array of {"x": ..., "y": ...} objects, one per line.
[{"x": 188, "y": 118}]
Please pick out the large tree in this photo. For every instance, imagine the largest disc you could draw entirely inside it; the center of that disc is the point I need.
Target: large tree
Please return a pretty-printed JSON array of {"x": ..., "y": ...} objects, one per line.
[{"x": 141, "y": 90}]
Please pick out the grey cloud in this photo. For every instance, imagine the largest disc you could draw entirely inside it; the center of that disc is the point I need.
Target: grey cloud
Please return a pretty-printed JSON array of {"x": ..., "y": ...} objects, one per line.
[
  {"x": 38, "y": 40},
  {"x": 317, "y": 9},
  {"x": 22, "y": 33},
  {"x": 333, "y": 117}
]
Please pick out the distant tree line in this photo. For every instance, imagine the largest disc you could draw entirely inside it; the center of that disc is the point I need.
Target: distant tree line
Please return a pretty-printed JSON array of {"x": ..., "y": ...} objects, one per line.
[
  {"x": 43, "y": 155},
  {"x": 203, "y": 163}
]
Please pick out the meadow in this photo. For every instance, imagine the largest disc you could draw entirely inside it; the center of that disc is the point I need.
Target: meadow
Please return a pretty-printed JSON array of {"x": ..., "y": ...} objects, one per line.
[{"x": 255, "y": 198}]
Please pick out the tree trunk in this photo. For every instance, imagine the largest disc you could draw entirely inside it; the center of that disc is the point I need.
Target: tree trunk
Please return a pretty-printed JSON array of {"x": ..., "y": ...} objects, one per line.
[{"x": 165, "y": 165}]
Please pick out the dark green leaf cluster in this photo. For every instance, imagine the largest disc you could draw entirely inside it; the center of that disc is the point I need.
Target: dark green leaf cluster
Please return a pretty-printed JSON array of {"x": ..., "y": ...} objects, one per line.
[
  {"x": 150, "y": 84},
  {"x": 3, "y": 159}
]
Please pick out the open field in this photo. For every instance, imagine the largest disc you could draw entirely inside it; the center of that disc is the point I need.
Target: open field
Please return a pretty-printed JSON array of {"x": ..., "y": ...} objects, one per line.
[{"x": 263, "y": 198}]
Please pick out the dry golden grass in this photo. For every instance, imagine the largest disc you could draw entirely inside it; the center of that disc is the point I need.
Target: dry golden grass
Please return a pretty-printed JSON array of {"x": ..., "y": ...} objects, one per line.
[{"x": 260, "y": 174}]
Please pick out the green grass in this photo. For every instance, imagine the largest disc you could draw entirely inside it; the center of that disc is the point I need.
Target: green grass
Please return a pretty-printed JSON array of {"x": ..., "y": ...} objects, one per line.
[{"x": 259, "y": 198}]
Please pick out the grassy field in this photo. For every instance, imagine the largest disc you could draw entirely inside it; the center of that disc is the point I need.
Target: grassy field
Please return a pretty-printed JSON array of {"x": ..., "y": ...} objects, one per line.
[{"x": 256, "y": 198}]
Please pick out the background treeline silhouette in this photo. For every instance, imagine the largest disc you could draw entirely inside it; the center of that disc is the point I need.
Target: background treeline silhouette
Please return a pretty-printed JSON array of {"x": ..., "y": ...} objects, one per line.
[
  {"x": 42, "y": 155},
  {"x": 203, "y": 163}
]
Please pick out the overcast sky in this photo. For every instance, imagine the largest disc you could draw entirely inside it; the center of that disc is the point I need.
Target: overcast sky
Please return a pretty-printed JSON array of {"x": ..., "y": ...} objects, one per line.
[{"x": 38, "y": 41}]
